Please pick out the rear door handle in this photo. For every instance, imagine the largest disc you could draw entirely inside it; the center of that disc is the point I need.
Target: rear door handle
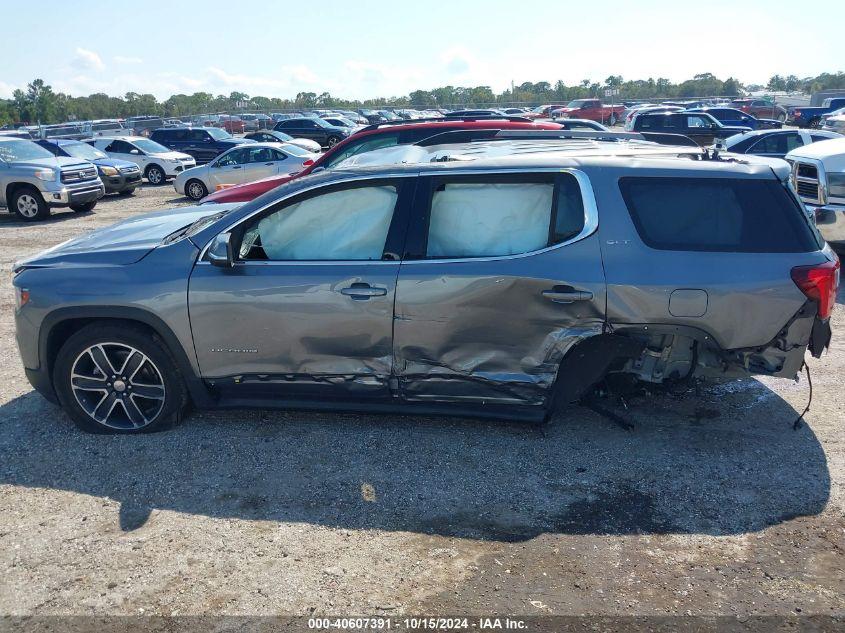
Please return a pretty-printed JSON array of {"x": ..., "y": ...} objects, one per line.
[
  {"x": 567, "y": 294},
  {"x": 362, "y": 291}
]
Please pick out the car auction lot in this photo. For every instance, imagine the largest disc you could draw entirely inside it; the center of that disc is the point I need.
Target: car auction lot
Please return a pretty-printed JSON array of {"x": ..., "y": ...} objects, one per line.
[{"x": 711, "y": 505}]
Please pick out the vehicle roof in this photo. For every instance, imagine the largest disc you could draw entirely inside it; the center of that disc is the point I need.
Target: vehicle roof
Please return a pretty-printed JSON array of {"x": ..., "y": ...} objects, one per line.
[
  {"x": 121, "y": 137},
  {"x": 527, "y": 154}
]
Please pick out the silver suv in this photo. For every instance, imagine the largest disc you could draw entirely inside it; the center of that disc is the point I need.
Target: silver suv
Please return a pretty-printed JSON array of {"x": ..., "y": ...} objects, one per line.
[
  {"x": 33, "y": 180},
  {"x": 503, "y": 279}
]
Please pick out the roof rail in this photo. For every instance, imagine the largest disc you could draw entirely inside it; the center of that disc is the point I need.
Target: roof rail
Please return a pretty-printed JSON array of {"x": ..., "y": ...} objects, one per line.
[
  {"x": 492, "y": 134},
  {"x": 441, "y": 119}
]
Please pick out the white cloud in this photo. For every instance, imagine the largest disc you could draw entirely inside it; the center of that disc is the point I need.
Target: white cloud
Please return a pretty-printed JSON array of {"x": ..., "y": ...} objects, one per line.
[
  {"x": 6, "y": 90},
  {"x": 120, "y": 59},
  {"x": 88, "y": 59}
]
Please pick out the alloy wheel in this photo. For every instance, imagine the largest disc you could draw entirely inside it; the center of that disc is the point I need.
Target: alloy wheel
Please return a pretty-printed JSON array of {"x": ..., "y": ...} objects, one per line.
[
  {"x": 118, "y": 386},
  {"x": 196, "y": 191},
  {"x": 27, "y": 206},
  {"x": 154, "y": 176}
]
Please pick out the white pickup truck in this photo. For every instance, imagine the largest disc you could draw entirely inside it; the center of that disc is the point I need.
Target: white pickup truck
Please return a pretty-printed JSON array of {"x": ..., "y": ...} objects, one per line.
[{"x": 818, "y": 175}]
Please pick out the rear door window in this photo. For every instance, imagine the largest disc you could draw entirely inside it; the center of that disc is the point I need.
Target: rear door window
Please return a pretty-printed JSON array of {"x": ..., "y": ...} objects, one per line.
[
  {"x": 497, "y": 216},
  {"x": 717, "y": 214}
]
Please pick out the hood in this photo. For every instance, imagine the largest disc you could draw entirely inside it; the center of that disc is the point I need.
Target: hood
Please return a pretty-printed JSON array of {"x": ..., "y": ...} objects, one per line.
[
  {"x": 831, "y": 153},
  {"x": 53, "y": 162},
  {"x": 113, "y": 162},
  {"x": 123, "y": 243}
]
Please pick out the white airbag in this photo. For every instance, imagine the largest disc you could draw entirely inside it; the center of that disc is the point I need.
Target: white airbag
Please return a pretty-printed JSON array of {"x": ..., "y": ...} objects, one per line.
[
  {"x": 348, "y": 224},
  {"x": 485, "y": 220}
]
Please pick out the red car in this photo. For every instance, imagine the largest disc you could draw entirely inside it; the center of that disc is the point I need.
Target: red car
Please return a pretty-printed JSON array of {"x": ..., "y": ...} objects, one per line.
[
  {"x": 370, "y": 138},
  {"x": 760, "y": 108},
  {"x": 592, "y": 109}
]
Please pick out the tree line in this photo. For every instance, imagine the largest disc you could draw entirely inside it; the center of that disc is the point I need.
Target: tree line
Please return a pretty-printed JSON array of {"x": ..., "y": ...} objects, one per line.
[{"x": 40, "y": 104}]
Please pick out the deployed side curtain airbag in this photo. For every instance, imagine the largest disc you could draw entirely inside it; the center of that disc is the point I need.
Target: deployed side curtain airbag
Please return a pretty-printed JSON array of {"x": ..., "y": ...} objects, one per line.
[
  {"x": 485, "y": 220},
  {"x": 347, "y": 224}
]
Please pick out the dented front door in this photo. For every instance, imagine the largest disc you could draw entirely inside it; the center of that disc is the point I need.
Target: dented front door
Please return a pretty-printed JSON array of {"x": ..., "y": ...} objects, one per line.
[{"x": 494, "y": 329}]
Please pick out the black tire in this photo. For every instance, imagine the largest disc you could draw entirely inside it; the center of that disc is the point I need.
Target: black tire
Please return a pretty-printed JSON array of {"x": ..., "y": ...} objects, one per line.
[
  {"x": 28, "y": 204},
  {"x": 126, "y": 192},
  {"x": 332, "y": 141},
  {"x": 782, "y": 118},
  {"x": 815, "y": 124},
  {"x": 93, "y": 394},
  {"x": 196, "y": 189},
  {"x": 613, "y": 120},
  {"x": 155, "y": 175},
  {"x": 84, "y": 208}
]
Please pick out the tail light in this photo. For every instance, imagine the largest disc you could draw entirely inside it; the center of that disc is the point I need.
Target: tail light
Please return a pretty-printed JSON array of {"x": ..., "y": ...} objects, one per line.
[
  {"x": 819, "y": 283},
  {"x": 307, "y": 163}
]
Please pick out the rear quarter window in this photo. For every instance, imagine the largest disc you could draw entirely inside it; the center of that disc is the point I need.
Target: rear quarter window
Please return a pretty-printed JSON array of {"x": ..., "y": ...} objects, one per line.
[{"x": 717, "y": 214}]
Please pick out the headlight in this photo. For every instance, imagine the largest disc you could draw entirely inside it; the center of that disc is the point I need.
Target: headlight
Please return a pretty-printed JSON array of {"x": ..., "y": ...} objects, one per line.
[
  {"x": 21, "y": 297},
  {"x": 45, "y": 174},
  {"x": 836, "y": 185},
  {"x": 109, "y": 171},
  {"x": 174, "y": 161}
]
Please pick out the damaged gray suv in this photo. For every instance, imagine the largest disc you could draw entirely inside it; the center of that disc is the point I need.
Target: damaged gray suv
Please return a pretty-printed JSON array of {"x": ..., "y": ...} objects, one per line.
[{"x": 501, "y": 279}]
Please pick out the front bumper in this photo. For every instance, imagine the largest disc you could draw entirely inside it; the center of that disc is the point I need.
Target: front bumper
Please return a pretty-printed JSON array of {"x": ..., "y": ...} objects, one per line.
[
  {"x": 830, "y": 220},
  {"x": 81, "y": 193},
  {"x": 121, "y": 182},
  {"x": 174, "y": 169}
]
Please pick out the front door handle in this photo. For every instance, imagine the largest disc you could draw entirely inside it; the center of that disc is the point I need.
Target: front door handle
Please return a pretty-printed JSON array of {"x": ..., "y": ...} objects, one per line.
[
  {"x": 567, "y": 294},
  {"x": 362, "y": 291}
]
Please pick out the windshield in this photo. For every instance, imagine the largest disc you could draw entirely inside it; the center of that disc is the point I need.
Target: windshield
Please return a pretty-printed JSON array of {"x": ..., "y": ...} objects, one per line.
[
  {"x": 83, "y": 150},
  {"x": 282, "y": 136},
  {"x": 149, "y": 147},
  {"x": 217, "y": 134},
  {"x": 19, "y": 149}
]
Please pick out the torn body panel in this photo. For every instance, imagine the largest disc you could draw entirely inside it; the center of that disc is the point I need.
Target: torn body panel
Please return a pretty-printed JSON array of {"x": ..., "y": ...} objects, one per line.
[{"x": 465, "y": 332}]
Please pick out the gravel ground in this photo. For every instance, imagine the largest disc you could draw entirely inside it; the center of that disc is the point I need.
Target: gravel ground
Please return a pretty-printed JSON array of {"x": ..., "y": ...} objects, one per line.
[{"x": 712, "y": 505}]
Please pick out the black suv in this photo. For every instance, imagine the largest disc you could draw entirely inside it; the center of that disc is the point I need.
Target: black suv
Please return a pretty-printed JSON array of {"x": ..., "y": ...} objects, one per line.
[
  {"x": 203, "y": 143},
  {"x": 699, "y": 126},
  {"x": 324, "y": 133}
]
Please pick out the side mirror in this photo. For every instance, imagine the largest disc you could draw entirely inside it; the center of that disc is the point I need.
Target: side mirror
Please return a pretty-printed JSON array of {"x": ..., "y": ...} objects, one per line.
[
  {"x": 135, "y": 152},
  {"x": 220, "y": 252}
]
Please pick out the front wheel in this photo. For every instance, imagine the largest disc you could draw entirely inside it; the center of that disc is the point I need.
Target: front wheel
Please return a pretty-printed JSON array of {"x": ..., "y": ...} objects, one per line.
[
  {"x": 84, "y": 208},
  {"x": 196, "y": 190},
  {"x": 333, "y": 140},
  {"x": 113, "y": 379},
  {"x": 612, "y": 120},
  {"x": 782, "y": 118},
  {"x": 815, "y": 124},
  {"x": 155, "y": 175},
  {"x": 28, "y": 203}
]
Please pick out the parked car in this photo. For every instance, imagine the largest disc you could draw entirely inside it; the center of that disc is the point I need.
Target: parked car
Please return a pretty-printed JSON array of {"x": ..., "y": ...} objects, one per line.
[
  {"x": 580, "y": 124},
  {"x": 485, "y": 112},
  {"x": 738, "y": 118},
  {"x": 104, "y": 127},
  {"x": 818, "y": 175},
  {"x": 632, "y": 113},
  {"x": 118, "y": 176},
  {"x": 315, "y": 129},
  {"x": 245, "y": 163},
  {"x": 543, "y": 111},
  {"x": 33, "y": 181},
  {"x": 232, "y": 124},
  {"x": 156, "y": 162},
  {"x": 372, "y": 116},
  {"x": 774, "y": 143},
  {"x": 340, "y": 121},
  {"x": 371, "y": 138},
  {"x": 806, "y": 116},
  {"x": 761, "y": 108},
  {"x": 614, "y": 268},
  {"x": 836, "y": 122},
  {"x": 63, "y": 130},
  {"x": 592, "y": 109},
  {"x": 273, "y": 136},
  {"x": 700, "y": 127},
  {"x": 142, "y": 125},
  {"x": 202, "y": 143},
  {"x": 255, "y": 122}
]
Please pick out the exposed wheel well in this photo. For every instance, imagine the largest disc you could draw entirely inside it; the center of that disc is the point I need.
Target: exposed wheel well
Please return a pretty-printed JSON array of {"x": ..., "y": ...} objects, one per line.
[
  {"x": 11, "y": 188},
  {"x": 63, "y": 330}
]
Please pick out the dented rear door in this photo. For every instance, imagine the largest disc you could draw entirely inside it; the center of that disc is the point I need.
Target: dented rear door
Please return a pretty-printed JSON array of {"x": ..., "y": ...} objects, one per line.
[{"x": 487, "y": 300}]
